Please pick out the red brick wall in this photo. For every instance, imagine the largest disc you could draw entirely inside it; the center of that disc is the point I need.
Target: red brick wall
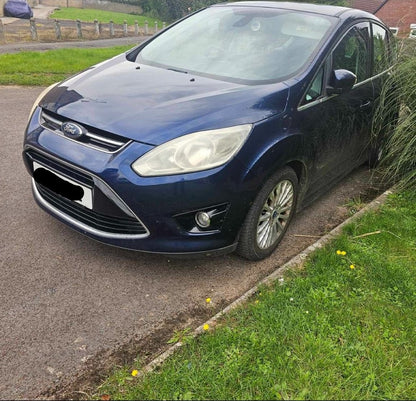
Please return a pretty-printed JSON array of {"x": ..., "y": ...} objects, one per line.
[{"x": 400, "y": 13}]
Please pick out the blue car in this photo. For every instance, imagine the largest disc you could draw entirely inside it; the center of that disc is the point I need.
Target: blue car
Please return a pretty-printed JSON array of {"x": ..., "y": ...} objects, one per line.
[
  {"x": 209, "y": 136},
  {"x": 17, "y": 9}
]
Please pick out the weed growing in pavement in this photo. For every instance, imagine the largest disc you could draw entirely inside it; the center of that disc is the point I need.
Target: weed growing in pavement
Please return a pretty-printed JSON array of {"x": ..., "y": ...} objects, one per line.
[
  {"x": 355, "y": 204},
  {"x": 182, "y": 336}
]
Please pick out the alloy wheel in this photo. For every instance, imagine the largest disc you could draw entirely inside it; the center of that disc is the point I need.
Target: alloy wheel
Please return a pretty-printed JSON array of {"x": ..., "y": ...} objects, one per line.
[{"x": 275, "y": 214}]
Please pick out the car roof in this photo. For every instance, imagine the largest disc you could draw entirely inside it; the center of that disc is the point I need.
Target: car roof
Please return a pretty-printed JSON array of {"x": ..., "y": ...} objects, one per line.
[{"x": 334, "y": 11}]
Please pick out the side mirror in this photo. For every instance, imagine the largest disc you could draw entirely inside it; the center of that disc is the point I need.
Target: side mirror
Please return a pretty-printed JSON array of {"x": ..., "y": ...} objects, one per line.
[{"x": 341, "y": 81}]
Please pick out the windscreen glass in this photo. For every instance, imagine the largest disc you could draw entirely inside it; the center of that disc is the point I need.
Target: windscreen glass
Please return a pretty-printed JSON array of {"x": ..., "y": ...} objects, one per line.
[{"x": 250, "y": 44}]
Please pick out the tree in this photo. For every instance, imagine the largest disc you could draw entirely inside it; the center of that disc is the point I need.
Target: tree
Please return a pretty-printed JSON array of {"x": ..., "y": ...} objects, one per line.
[{"x": 171, "y": 10}]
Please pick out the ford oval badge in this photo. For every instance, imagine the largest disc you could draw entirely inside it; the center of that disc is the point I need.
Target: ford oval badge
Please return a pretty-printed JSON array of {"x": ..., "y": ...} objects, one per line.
[{"x": 72, "y": 130}]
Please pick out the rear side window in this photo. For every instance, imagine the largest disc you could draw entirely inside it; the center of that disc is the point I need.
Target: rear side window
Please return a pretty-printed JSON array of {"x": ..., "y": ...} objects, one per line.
[
  {"x": 352, "y": 53},
  {"x": 381, "y": 49}
]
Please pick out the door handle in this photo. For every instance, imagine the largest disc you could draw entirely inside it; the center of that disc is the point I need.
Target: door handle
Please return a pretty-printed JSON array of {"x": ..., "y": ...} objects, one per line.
[{"x": 365, "y": 104}]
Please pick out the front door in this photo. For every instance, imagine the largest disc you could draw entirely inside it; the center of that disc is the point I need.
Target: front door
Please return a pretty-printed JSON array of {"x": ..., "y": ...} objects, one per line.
[{"x": 337, "y": 128}]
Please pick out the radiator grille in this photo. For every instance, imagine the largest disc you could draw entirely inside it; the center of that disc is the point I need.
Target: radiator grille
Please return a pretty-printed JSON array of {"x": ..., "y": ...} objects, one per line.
[
  {"x": 109, "y": 224},
  {"x": 98, "y": 139}
]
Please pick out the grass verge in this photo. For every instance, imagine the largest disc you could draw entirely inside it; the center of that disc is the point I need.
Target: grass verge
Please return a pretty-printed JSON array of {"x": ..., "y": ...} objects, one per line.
[
  {"x": 46, "y": 68},
  {"x": 344, "y": 327},
  {"x": 89, "y": 15}
]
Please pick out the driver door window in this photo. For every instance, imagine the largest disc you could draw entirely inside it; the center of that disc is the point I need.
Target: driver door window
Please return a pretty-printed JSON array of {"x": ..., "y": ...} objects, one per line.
[{"x": 352, "y": 53}]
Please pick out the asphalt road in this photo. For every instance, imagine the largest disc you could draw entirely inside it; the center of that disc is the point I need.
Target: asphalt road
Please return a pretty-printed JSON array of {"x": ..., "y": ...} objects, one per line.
[{"x": 69, "y": 304}]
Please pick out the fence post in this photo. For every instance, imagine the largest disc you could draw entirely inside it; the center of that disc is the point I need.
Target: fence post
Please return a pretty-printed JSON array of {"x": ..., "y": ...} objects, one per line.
[
  {"x": 146, "y": 27},
  {"x": 79, "y": 30},
  {"x": 97, "y": 28},
  {"x": 125, "y": 28},
  {"x": 164, "y": 25},
  {"x": 111, "y": 28},
  {"x": 100, "y": 29},
  {"x": 2, "y": 35},
  {"x": 58, "y": 30},
  {"x": 156, "y": 27},
  {"x": 33, "y": 30},
  {"x": 136, "y": 28}
]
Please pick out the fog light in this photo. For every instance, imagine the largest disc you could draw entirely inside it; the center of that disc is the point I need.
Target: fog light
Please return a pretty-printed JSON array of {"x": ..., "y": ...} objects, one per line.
[{"x": 202, "y": 219}]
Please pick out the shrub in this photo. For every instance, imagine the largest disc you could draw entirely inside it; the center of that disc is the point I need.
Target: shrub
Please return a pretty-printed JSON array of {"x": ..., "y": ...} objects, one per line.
[{"x": 398, "y": 162}]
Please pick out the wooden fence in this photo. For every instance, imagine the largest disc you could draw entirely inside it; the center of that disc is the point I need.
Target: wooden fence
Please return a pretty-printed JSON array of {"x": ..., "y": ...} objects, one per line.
[{"x": 57, "y": 30}]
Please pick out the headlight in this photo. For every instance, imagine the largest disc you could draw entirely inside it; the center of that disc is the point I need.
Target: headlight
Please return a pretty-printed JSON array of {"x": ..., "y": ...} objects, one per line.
[
  {"x": 193, "y": 152},
  {"x": 40, "y": 97}
]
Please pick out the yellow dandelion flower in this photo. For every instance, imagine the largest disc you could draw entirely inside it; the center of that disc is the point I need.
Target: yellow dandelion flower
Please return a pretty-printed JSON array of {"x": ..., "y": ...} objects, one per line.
[
  {"x": 352, "y": 267},
  {"x": 206, "y": 327},
  {"x": 134, "y": 372},
  {"x": 256, "y": 301},
  {"x": 208, "y": 300},
  {"x": 343, "y": 253},
  {"x": 339, "y": 252}
]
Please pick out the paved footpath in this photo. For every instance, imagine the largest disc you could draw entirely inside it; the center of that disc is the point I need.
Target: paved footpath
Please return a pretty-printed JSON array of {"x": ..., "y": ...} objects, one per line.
[
  {"x": 36, "y": 46},
  {"x": 69, "y": 304}
]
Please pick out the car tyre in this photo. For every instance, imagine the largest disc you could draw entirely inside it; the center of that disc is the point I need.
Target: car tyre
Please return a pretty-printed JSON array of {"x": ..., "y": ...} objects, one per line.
[{"x": 269, "y": 216}]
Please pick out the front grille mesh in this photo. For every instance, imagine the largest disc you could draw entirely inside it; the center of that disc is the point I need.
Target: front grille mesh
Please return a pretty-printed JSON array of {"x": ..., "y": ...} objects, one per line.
[
  {"x": 109, "y": 224},
  {"x": 98, "y": 139}
]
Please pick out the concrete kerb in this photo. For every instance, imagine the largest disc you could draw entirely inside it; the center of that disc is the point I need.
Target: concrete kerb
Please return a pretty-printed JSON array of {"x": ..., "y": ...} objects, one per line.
[{"x": 296, "y": 261}]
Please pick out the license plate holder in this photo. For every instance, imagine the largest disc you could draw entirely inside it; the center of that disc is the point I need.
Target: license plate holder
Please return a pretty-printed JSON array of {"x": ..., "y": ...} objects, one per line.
[{"x": 62, "y": 185}]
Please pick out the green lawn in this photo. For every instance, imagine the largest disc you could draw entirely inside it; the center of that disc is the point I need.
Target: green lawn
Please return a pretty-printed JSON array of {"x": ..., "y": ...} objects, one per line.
[
  {"x": 342, "y": 328},
  {"x": 45, "y": 68},
  {"x": 89, "y": 15}
]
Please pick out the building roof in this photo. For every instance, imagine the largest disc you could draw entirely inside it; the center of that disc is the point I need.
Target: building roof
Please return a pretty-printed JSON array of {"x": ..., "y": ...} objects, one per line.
[{"x": 371, "y": 6}]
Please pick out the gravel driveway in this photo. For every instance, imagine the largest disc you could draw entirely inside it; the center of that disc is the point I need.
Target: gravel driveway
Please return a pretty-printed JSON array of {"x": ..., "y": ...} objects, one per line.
[{"x": 70, "y": 305}]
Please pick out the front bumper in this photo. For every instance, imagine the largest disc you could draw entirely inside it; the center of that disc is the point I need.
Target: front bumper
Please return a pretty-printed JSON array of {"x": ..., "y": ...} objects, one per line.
[{"x": 160, "y": 208}]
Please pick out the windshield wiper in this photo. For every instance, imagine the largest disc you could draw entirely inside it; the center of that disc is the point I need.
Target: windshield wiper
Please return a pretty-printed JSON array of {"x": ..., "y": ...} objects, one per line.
[{"x": 174, "y": 69}]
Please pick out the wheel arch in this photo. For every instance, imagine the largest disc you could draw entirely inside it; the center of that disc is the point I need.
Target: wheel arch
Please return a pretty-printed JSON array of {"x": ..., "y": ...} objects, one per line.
[
  {"x": 300, "y": 169},
  {"x": 287, "y": 151}
]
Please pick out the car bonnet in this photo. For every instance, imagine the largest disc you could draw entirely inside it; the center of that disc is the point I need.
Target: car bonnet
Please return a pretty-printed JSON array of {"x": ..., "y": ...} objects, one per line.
[{"x": 153, "y": 105}]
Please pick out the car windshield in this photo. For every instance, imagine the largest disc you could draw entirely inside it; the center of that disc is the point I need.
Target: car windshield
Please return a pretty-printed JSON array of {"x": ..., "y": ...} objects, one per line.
[{"x": 247, "y": 44}]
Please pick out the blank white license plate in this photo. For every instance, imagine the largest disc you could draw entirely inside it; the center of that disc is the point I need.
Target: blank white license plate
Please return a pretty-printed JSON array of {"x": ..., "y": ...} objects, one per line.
[{"x": 86, "y": 199}]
